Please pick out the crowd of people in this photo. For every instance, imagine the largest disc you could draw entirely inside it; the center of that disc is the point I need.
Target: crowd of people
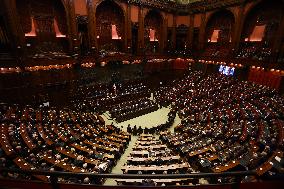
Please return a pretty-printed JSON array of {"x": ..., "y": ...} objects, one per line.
[
  {"x": 48, "y": 50},
  {"x": 58, "y": 140},
  {"x": 131, "y": 109},
  {"x": 168, "y": 94},
  {"x": 227, "y": 124},
  {"x": 103, "y": 97},
  {"x": 216, "y": 50},
  {"x": 254, "y": 51}
]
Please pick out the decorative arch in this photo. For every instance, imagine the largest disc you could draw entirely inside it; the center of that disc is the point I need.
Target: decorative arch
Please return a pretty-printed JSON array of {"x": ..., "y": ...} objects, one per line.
[
  {"x": 220, "y": 26},
  {"x": 61, "y": 16},
  {"x": 110, "y": 22},
  {"x": 24, "y": 12},
  {"x": 64, "y": 3},
  {"x": 150, "y": 11},
  {"x": 44, "y": 24},
  {"x": 153, "y": 28},
  {"x": 249, "y": 6},
  {"x": 262, "y": 21},
  {"x": 114, "y": 2},
  {"x": 4, "y": 35},
  {"x": 181, "y": 37},
  {"x": 45, "y": 18}
]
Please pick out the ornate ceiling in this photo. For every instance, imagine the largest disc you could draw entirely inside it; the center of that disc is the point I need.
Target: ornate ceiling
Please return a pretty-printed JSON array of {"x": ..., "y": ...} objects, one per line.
[
  {"x": 186, "y": 1},
  {"x": 186, "y": 6}
]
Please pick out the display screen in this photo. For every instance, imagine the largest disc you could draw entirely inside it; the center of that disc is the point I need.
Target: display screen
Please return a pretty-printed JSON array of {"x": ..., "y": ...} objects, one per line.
[
  {"x": 232, "y": 71},
  {"x": 221, "y": 69},
  {"x": 226, "y": 70}
]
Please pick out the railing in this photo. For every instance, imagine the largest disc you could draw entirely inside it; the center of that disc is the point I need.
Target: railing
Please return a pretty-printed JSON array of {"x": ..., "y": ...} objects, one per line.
[{"x": 54, "y": 175}]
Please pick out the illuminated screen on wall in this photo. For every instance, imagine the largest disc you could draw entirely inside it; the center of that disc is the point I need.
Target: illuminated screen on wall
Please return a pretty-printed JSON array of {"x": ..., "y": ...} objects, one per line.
[{"x": 226, "y": 70}]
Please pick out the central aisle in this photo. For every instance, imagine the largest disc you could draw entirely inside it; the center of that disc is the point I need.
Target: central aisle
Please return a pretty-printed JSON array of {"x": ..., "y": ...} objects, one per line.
[
  {"x": 149, "y": 120},
  {"x": 121, "y": 161}
]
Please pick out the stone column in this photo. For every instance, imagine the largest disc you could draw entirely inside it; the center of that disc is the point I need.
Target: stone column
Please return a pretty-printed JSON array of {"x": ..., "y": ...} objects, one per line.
[
  {"x": 278, "y": 39},
  {"x": 140, "y": 31},
  {"x": 125, "y": 29},
  {"x": 238, "y": 28},
  {"x": 73, "y": 21},
  {"x": 174, "y": 32},
  {"x": 165, "y": 34},
  {"x": 190, "y": 32},
  {"x": 280, "y": 50},
  {"x": 17, "y": 33},
  {"x": 202, "y": 31},
  {"x": 129, "y": 29},
  {"x": 92, "y": 24},
  {"x": 70, "y": 35}
]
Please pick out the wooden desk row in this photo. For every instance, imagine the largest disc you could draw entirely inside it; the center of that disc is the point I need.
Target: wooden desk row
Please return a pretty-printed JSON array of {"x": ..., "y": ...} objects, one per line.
[
  {"x": 268, "y": 164},
  {"x": 226, "y": 167},
  {"x": 152, "y": 147},
  {"x": 4, "y": 141},
  {"x": 137, "y": 159},
  {"x": 26, "y": 166},
  {"x": 155, "y": 168},
  {"x": 158, "y": 181}
]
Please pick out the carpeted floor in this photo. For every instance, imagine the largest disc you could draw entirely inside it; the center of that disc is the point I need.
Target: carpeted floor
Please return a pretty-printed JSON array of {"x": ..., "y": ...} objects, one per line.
[
  {"x": 121, "y": 161},
  {"x": 149, "y": 120}
]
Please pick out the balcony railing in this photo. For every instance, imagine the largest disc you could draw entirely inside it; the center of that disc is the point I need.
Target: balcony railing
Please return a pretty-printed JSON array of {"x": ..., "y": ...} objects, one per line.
[{"x": 54, "y": 175}]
